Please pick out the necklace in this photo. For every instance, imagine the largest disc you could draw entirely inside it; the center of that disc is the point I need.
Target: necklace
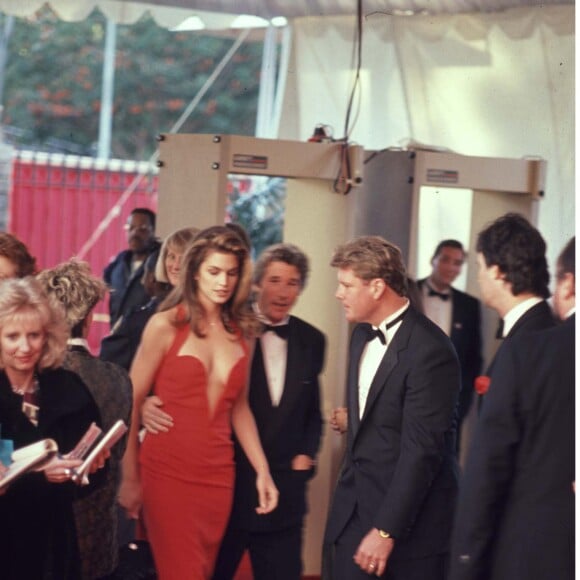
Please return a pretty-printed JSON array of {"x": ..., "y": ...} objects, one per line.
[{"x": 25, "y": 389}]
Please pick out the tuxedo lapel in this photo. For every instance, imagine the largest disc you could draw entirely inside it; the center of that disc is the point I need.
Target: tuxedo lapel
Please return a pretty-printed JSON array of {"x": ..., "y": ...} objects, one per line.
[
  {"x": 389, "y": 362},
  {"x": 293, "y": 366},
  {"x": 359, "y": 341}
]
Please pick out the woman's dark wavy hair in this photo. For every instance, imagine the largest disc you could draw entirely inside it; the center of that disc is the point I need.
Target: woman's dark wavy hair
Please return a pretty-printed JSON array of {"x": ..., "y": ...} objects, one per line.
[
  {"x": 517, "y": 248},
  {"x": 236, "y": 314},
  {"x": 16, "y": 252}
]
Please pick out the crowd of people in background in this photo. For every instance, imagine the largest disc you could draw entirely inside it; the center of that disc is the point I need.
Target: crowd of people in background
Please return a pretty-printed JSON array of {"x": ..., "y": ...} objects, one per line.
[{"x": 220, "y": 387}]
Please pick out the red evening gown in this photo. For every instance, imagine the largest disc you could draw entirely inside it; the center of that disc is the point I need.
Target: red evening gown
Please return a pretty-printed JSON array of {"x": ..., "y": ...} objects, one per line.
[{"x": 187, "y": 474}]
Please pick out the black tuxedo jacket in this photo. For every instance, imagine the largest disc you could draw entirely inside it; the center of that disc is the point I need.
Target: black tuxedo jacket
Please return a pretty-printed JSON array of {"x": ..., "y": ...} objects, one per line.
[
  {"x": 400, "y": 471},
  {"x": 539, "y": 317},
  {"x": 293, "y": 427},
  {"x": 515, "y": 517},
  {"x": 466, "y": 338}
]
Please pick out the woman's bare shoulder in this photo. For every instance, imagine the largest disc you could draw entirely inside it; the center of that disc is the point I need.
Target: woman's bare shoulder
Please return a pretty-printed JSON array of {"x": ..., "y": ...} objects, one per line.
[{"x": 162, "y": 322}]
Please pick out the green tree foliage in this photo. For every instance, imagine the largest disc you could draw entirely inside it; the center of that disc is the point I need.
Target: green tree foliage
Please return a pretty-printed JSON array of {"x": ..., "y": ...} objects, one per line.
[
  {"x": 260, "y": 210},
  {"x": 53, "y": 84}
]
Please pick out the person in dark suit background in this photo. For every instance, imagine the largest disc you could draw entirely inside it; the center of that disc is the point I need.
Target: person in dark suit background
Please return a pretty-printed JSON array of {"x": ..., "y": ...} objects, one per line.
[
  {"x": 120, "y": 346},
  {"x": 513, "y": 277},
  {"x": 392, "y": 509},
  {"x": 285, "y": 400},
  {"x": 457, "y": 314},
  {"x": 515, "y": 516},
  {"x": 124, "y": 273},
  {"x": 160, "y": 275}
]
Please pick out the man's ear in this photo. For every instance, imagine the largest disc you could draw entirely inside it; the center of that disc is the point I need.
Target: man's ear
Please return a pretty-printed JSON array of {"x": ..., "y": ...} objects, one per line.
[
  {"x": 568, "y": 283},
  {"x": 377, "y": 288},
  {"x": 496, "y": 273}
]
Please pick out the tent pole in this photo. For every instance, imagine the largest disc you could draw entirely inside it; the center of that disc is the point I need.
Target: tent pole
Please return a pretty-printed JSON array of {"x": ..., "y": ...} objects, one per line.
[{"x": 107, "y": 92}]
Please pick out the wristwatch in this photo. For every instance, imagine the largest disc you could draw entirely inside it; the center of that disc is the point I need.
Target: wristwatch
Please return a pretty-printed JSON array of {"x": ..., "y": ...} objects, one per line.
[{"x": 385, "y": 535}]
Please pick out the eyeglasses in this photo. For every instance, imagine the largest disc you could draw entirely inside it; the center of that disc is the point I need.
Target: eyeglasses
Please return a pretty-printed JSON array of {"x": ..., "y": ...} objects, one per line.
[{"x": 142, "y": 228}]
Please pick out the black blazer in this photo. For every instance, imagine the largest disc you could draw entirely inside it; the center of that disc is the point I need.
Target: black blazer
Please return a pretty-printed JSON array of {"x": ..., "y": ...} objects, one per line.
[
  {"x": 293, "y": 427},
  {"x": 400, "y": 469},
  {"x": 96, "y": 514},
  {"x": 466, "y": 338},
  {"x": 538, "y": 317},
  {"x": 38, "y": 534},
  {"x": 515, "y": 516},
  {"x": 120, "y": 347}
]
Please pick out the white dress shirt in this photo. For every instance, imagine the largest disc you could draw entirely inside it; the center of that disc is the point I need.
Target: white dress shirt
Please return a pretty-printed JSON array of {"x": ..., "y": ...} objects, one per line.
[
  {"x": 373, "y": 355},
  {"x": 275, "y": 356},
  {"x": 438, "y": 310}
]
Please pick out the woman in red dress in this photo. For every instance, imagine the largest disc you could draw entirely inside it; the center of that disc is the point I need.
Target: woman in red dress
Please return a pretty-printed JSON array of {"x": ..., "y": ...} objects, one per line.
[{"x": 194, "y": 352}]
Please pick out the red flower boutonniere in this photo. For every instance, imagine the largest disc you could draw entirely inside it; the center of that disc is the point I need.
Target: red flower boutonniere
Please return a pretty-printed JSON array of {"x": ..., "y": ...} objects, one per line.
[{"x": 481, "y": 384}]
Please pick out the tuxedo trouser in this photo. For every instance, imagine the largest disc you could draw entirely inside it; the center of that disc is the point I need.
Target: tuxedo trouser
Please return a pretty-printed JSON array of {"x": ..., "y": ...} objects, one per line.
[
  {"x": 339, "y": 560},
  {"x": 275, "y": 555}
]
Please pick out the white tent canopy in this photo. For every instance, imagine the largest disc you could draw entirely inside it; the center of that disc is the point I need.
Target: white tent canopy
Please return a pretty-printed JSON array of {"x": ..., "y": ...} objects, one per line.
[
  {"x": 221, "y": 13},
  {"x": 480, "y": 77},
  {"x": 494, "y": 84}
]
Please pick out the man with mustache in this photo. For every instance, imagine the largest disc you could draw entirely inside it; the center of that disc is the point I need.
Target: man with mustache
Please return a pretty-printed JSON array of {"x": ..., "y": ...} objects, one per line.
[{"x": 124, "y": 273}]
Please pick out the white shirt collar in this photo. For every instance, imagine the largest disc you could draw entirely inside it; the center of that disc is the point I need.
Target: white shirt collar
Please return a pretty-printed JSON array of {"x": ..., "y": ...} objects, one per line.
[
  {"x": 78, "y": 342},
  {"x": 265, "y": 320},
  {"x": 510, "y": 319},
  {"x": 391, "y": 331}
]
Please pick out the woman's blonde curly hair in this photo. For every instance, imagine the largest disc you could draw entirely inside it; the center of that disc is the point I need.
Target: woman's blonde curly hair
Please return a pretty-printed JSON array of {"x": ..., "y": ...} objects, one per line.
[
  {"x": 77, "y": 290},
  {"x": 22, "y": 300}
]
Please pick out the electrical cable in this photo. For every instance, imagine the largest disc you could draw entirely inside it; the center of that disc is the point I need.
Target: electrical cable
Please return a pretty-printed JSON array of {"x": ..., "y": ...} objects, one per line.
[{"x": 344, "y": 173}]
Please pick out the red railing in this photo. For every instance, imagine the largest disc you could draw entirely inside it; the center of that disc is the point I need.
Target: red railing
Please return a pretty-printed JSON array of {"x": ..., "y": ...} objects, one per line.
[{"x": 57, "y": 203}]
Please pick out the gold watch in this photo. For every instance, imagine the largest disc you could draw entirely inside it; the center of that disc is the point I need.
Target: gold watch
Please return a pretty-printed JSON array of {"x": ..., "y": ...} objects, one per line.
[{"x": 384, "y": 534}]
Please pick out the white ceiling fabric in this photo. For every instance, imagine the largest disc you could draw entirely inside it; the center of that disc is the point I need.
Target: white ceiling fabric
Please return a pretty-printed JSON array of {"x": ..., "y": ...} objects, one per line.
[
  {"x": 167, "y": 15},
  {"x": 481, "y": 77},
  {"x": 218, "y": 14},
  {"x": 498, "y": 85}
]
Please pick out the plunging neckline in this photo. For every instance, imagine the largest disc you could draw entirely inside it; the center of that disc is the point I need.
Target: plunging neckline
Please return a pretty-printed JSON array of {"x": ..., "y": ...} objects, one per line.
[{"x": 212, "y": 412}]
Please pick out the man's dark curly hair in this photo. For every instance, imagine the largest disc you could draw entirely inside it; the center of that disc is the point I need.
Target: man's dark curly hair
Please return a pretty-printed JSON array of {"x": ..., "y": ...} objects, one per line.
[{"x": 517, "y": 248}]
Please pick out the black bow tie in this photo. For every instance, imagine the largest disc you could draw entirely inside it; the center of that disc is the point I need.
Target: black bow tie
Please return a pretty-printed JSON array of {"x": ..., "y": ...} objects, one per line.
[
  {"x": 441, "y": 295},
  {"x": 373, "y": 333},
  {"x": 499, "y": 331},
  {"x": 282, "y": 330}
]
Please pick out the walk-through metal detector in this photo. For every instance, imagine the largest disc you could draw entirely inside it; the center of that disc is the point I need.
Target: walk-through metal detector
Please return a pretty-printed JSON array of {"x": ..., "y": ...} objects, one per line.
[{"x": 411, "y": 197}]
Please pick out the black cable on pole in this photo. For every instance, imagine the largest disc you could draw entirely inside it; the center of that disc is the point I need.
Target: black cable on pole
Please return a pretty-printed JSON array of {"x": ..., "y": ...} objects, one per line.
[{"x": 344, "y": 172}]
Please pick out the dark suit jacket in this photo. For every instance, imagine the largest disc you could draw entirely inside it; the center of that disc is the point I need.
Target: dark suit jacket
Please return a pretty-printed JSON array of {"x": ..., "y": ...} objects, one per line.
[
  {"x": 120, "y": 347},
  {"x": 127, "y": 291},
  {"x": 96, "y": 514},
  {"x": 515, "y": 517},
  {"x": 466, "y": 338},
  {"x": 38, "y": 535},
  {"x": 293, "y": 427},
  {"x": 539, "y": 317},
  {"x": 400, "y": 470}
]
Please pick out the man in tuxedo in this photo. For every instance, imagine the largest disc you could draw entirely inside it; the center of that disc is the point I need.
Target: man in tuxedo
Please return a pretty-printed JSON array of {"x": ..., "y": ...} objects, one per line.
[
  {"x": 393, "y": 505},
  {"x": 515, "y": 516},
  {"x": 457, "y": 314},
  {"x": 285, "y": 399},
  {"x": 513, "y": 276}
]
